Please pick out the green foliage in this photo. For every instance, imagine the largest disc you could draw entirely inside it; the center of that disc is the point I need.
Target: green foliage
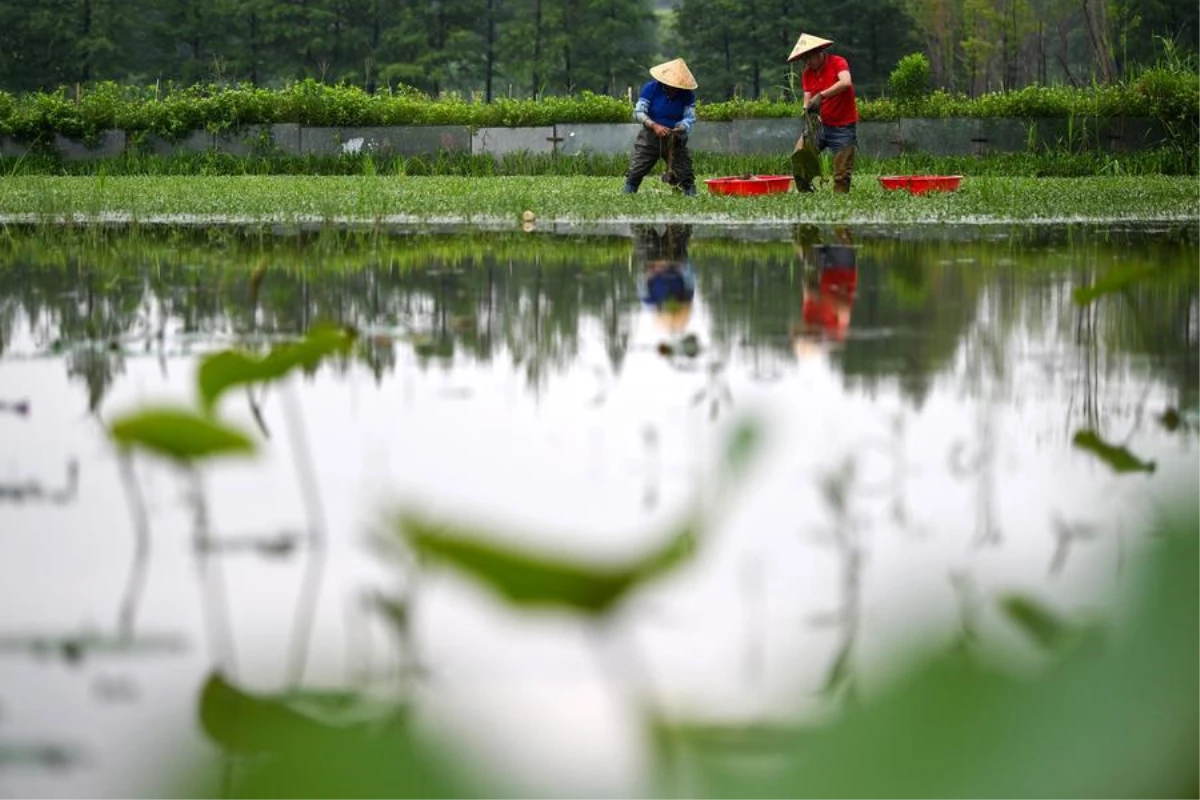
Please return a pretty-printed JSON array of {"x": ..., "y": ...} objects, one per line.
[
  {"x": 950, "y": 726},
  {"x": 171, "y": 112},
  {"x": 526, "y": 579},
  {"x": 242, "y": 722},
  {"x": 227, "y": 369},
  {"x": 1171, "y": 91},
  {"x": 178, "y": 434},
  {"x": 910, "y": 80},
  {"x": 1119, "y": 459},
  {"x": 1118, "y": 279},
  {"x": 302, "y": 754},
  {"x": 1042, "y": 625}
]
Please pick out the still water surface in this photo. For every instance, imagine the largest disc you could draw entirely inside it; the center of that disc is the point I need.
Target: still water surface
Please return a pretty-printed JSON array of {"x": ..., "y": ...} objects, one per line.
[{"x": 919, "y": 392}]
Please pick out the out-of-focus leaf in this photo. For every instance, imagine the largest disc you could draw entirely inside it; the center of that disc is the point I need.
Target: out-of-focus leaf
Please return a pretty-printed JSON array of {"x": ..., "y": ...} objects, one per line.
[
  {"x": 310, "y": 758},
  {"x": 1120, "y": 459},
  {"x": 1041, "y": 624},
  {"x": 249, "y": 723},
  {"x": 741, "y": 447},
  {"x": 228, "y": 369},
  {"x": 246, "y": 723},
  {"x": 1117, "y": 720},
  {"x": 1115, "y": 280},
  {"x": 179, "y": 434},
  {"x": 529, "y": 579},
  {"x": 222, "y": 371}
]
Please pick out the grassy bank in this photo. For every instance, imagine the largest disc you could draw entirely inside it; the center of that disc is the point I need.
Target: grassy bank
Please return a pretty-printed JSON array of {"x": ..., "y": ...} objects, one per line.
[{"x": 565, "y": 199}]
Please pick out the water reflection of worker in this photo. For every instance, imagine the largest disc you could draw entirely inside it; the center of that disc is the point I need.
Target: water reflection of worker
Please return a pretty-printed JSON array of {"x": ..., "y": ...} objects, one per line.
[
  {"x": 666, "y": 281},
  {"x": 829, "y": 283}
]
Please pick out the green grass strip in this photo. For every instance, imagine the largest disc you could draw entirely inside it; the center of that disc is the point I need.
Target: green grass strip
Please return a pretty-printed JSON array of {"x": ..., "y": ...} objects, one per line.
[{"x": 502, "y": 200}]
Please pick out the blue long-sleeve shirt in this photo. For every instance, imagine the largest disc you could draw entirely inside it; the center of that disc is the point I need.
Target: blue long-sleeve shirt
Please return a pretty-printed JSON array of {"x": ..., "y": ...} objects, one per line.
[{"x": 656, "y": 105}]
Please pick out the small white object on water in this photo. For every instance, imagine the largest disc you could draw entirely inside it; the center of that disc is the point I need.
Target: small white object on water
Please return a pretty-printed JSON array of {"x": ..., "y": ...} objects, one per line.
[
  {"x": 527, "y": 216},
  {"x": 354, "y": 145}
]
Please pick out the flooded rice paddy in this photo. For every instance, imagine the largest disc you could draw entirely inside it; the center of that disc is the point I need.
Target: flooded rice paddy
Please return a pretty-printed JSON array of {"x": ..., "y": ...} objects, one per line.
[{"x": 942, "y": 421}]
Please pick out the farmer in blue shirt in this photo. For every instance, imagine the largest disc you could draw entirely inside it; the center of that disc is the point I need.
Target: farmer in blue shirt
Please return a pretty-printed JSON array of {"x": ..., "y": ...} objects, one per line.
[{"x": 666, "y": 109}]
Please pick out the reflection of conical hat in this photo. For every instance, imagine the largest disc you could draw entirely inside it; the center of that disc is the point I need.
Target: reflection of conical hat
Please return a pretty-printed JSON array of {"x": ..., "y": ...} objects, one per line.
[
  {"x": 806, "y": 44},
  {"x": 674, "y": 73}
]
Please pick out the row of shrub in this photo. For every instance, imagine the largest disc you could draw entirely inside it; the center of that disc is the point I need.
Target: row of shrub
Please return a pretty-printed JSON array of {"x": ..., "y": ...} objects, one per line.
[{"x": 1170, "y": 95}]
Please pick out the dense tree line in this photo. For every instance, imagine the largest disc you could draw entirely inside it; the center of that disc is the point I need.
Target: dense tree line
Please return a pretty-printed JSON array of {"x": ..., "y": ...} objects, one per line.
[
  {"x": 529, "y": 48},
  {"x": 494, "y": 47}
]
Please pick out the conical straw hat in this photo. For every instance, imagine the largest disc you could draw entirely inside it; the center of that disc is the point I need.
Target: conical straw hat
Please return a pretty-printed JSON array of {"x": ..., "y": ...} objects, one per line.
[
  {"x": 806, "y": 44},
  {"x": 674, "y": 73}
]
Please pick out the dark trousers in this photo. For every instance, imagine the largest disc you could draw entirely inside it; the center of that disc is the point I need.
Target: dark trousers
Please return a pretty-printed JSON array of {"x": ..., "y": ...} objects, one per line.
[
  {"x": 843, "y": 141},
  {"x": 673, "y": 149}
]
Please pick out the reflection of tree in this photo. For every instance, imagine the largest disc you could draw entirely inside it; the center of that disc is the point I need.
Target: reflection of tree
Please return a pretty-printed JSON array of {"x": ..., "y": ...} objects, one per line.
[
  {"x": 921, "y": 301},
  {"x": 98, "y": 367},
  {"x": 526, "y": 300}
]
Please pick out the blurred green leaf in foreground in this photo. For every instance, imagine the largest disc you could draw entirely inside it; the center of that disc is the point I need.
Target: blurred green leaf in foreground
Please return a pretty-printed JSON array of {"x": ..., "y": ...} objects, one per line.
[{"x": 1112, "y": 714}]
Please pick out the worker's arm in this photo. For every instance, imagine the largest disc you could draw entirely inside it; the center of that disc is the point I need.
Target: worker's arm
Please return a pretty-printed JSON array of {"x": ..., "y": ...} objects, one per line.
[
  {"x": 843, "y": 83},
  {"x": 641, "y": 114},
  {"x": 689, "y": 119}
]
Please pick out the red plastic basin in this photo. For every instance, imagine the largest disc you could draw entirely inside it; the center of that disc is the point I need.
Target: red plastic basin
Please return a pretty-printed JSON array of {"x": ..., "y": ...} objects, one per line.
[
  {"x": 755, "y": 184},
  {"x": 920, "y": 184}
]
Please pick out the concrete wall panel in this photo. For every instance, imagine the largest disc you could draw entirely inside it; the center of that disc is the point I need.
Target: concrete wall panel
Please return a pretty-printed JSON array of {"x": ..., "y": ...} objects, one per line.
[
  {"x": 596, "y": 138},
  {"x": 111, "y": 144},
  {"x": 499, "y": 142}
]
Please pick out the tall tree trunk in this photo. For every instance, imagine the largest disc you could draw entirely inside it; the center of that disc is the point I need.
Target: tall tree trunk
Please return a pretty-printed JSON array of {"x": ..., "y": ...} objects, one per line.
[
  {"x": 253, "y": 48},
  {"x": 490, "y": 64},
  {"x": 537, "y": 48},
  {"x": 1096, "y": 21},
  {"x": 85, "y": 65},
  {"x": 567, "y": 64},
  {"x": 728, "y": 64}
]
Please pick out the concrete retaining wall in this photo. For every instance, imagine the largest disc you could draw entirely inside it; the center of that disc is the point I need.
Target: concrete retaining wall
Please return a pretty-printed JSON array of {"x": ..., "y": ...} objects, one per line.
[{"x": 748, "y": 136}]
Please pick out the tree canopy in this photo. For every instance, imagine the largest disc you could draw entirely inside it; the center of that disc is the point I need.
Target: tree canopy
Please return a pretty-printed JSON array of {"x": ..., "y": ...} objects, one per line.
[{"x": 492, "y": 48}]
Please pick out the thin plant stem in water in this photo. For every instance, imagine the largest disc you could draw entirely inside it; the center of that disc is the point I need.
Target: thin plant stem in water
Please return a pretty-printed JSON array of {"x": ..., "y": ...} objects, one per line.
[
  {"x": 212, "y": 582},
  {"x": 310, "y": 591},
  {"x": 141, "y": 548}
]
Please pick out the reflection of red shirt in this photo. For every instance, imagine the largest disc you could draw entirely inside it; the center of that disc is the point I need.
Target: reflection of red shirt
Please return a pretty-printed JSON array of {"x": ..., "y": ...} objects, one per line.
[
  {"x": 841, "y": 109},
  {"x": 840, "y": 281},
  {"x": 829, "y": 306}
]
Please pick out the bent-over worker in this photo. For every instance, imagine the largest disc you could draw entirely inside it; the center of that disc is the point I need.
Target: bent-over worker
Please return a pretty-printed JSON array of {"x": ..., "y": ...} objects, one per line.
[
  {"x": 829, "y": 90},
  {"x": 666, "y": 110}
]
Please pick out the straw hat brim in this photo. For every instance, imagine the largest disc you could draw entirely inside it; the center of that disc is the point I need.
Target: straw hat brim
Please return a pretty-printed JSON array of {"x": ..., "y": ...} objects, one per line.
[
  {"x": 674, "y": 74},
  {"x": 807, "y": 44}
]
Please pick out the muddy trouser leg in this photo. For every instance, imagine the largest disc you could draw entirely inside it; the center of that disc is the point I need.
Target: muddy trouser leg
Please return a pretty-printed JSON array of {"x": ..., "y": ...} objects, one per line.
[
  {"x": 681, "y": 165},
  {"x": 843, "y": 167},
  {"x": 647, "y": 150},
  {"x": 843, "y": 141}
]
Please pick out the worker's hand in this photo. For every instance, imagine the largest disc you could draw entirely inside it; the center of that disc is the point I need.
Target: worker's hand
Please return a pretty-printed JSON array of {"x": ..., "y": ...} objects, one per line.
[
  {"x": 661, "y": 131},
  {"x": 814, "y": 103}
]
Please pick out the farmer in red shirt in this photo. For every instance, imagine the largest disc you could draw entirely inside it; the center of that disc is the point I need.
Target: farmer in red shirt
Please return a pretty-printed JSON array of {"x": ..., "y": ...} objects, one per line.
[{"x": 829, "y": 90}]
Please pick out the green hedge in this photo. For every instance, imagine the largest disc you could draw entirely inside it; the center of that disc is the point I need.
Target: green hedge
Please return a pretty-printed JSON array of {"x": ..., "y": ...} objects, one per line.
[{"x": 1171, "y": 95}]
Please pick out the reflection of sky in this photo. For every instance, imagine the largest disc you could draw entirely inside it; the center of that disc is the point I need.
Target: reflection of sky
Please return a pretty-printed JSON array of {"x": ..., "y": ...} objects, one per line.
[{"x": 593, "y": 464}]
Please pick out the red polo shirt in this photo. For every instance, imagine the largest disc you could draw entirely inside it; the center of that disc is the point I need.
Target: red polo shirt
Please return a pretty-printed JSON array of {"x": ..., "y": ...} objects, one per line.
[{"x": 839, "y": 109}]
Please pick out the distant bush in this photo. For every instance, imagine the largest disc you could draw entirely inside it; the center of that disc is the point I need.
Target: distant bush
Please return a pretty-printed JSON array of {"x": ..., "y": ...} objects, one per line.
[{"x": 910, "y": 79}]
